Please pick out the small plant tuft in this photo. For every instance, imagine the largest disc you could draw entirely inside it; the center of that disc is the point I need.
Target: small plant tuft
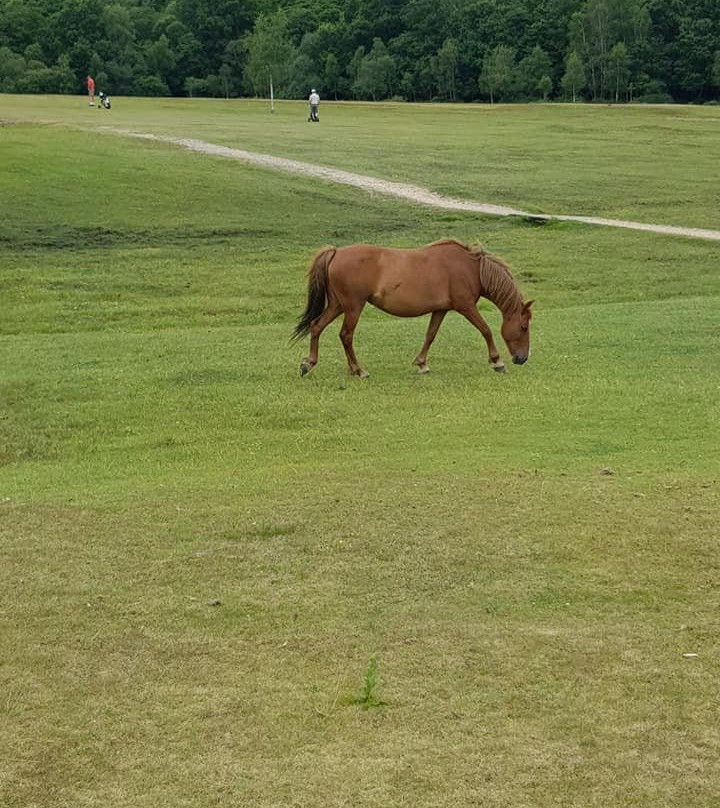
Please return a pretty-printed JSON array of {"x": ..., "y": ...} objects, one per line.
[
  {"x": 368, "y": 698},
  {"x": 370, "y": 680}
]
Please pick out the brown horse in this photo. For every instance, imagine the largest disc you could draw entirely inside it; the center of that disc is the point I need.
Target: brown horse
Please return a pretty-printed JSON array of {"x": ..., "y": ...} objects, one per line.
[{"x": 444, "y": 276}]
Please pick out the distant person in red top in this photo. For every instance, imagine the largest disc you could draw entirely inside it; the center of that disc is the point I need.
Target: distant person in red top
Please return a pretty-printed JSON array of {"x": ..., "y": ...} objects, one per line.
[{"x": 91, "y": 90}]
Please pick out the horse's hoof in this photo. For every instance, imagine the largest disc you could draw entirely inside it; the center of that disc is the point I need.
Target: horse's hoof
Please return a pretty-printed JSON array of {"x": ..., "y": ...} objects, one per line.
[
  {"x": 304, "y": 368},
  {"x": 361, "y": 374},
  {"x": 423, "y": 369},
  {"x": 499, "y": 368}
]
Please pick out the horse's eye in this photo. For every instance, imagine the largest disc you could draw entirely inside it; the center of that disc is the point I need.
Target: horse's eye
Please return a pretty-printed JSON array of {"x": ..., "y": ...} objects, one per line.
[{"x": 523, "y": 328}]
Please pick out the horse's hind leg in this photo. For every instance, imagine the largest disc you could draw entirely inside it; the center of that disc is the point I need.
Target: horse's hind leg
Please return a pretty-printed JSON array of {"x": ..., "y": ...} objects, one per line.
[
  {"x": 346, "y": 336},
  {"x": 316, "y": 328},
  {"x": 435, "y": 321},
  {"x": 473, "y": 316}
]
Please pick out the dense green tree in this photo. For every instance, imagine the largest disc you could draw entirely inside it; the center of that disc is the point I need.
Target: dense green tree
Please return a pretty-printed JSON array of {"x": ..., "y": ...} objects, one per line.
[
  {"x": 715, "y": 71},
  {"x": 545, "y": 86},
  {"x": 307, "y": 68},
  {"x": 56, "y": 79},
  {"x": 304, "y": 76},
  {"x": 574, "y": 79},
  {"x": 118, "y": 26},
  {"x": 332, "y": 74},
  {"x": 376, "y": 73},
  {"x": 446, "y": 66},
  {"x": 618, "y": 70},
  {"x": 598, "y": 27},
  {"x": 695, "y": 47},
  {"x": 196, "y": 87},
  {"x": 354, "y": 66},
  {"x": 233, "y": 66},
  {"x": 159, "y": 58},
  {"x": 533, "y": 70},
  {"x": 498, "y": 72},
  {"x": 74, "y": 29},
  {"x": 368, "y": 20},
  {"x": 407, "y": 86},
  {"x": 34, "y": 53},
  {"x": 432, "y": 23},
  {"x": 270, "y": 54},
  {"x": 548, "y": 27},
  {"x": 21, "y": 24},
  {"x": 152, "y": 85},
  {"x": 216, "y": 22},
  {"x": 190, "y": 58},
  {"x": 12, "y": 67}
]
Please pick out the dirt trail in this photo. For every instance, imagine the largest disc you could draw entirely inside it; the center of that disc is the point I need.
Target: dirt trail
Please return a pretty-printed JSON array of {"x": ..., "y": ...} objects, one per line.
[{"x": 412, "y": 193}]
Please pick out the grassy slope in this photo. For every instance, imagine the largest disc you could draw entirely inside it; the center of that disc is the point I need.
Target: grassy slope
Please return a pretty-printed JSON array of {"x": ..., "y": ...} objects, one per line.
[
  {"x": 158, "y": 453},
  {"x": 651, "y": 164}
]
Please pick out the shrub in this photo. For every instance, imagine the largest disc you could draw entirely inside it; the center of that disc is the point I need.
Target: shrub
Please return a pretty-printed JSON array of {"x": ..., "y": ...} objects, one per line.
[
  {"x": 51, "y": 80},
  {"x": 196, "y": 87},
  {"x": 654, "y": 98},
  {"x": 152, "y": 86}
]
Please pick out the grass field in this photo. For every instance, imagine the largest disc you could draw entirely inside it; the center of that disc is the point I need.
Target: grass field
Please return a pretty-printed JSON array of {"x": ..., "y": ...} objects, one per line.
[
  {"x": 650, "y": 164},
  {"x": 223, "y": 585}
]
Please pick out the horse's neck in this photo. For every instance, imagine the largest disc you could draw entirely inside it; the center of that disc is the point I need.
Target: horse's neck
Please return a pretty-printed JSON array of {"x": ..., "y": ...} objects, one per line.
[{"x": 498, "y": 286}]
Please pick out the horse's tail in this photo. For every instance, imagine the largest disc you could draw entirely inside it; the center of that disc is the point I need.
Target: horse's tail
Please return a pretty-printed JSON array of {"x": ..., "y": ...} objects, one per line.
[{"x": 317, "y": 291}]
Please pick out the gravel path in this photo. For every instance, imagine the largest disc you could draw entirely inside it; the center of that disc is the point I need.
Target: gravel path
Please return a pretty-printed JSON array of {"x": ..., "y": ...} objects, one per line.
[{"x": 412, "y": 193}]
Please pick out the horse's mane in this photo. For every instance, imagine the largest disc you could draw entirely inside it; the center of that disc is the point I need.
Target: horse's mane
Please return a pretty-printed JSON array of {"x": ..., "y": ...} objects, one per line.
[
  {"x": 477, "y": 251},
  {"x": 495, "y": 275}
]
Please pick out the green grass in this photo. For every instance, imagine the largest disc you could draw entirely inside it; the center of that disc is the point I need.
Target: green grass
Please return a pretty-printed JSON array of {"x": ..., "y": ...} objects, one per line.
[
  {"x": 650, "y": 164},
  {"x": 200, "y": 552}
]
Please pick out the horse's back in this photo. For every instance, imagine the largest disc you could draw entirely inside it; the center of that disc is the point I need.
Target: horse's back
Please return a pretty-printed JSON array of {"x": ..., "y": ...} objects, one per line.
[
  {"x": 371, "y": 262},
  {"x": 402, "y": 282}
]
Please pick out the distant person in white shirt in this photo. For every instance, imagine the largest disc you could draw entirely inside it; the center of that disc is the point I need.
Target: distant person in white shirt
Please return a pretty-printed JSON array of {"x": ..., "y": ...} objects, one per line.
[{"x": 314, "y": 102}]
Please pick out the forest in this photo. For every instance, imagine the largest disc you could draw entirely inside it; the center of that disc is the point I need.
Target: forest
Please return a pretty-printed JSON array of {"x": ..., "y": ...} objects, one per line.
[{"x": 414, "y": 50}]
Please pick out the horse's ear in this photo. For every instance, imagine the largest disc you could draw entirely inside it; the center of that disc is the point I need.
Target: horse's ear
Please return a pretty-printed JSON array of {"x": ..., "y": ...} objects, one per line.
[{"x": 526, "y": 306}]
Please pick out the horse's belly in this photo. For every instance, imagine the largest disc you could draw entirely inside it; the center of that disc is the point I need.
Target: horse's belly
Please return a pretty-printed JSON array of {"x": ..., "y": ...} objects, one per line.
[{"x": 403, "y": 303}]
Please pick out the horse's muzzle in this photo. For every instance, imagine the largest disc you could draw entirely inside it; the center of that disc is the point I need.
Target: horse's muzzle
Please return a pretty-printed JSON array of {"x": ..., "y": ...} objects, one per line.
[{"x": 519, "y": 360}]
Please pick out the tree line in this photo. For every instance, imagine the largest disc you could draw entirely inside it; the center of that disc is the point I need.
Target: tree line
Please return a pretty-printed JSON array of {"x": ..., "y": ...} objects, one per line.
[{"x": 417, "y": 50}]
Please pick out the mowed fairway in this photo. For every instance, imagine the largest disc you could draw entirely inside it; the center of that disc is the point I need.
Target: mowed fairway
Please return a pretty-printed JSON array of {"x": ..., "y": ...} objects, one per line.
[{"x": 204, "y": 558}]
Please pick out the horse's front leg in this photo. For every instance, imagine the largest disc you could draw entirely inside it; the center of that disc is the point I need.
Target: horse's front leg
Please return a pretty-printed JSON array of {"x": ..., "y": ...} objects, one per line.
[
  {"x": 473, "y": 316},
  {"x": 435, "y": 321}
]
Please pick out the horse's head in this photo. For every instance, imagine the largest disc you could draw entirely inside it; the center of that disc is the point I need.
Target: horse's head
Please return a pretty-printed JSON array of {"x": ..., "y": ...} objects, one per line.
[{"x": 516, "y": 333}]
